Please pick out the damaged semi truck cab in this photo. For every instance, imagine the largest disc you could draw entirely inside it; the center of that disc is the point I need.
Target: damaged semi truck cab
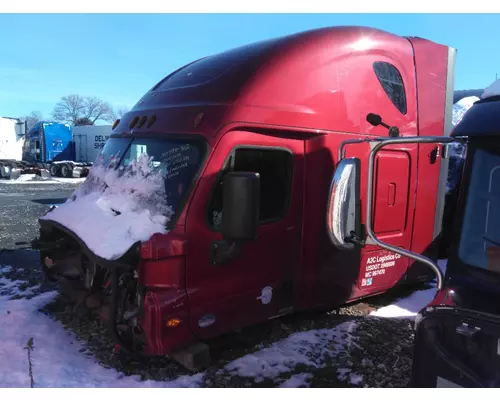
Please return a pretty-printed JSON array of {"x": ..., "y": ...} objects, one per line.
[{"x": 210, "y": 207}]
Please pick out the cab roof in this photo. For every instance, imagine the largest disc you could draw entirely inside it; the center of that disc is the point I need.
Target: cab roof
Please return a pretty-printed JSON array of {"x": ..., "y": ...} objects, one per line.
[
  {"x": 319, "y": 80},
  {"x": 229, "y": 72}
]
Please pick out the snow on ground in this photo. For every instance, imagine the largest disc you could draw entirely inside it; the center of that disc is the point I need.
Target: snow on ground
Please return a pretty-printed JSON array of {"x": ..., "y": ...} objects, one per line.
[
  {"x": 311, "y": 348},
  {"x": 113, "y": 209},
  {"x": 33, "y": 178},
  {"x": 356, "y": 379},
  {"x": 408, "y": 307},
  {"x": 56, "y": 359},
  {"x": 68, "y": 180},
  {"x": 297, "y": 380},
  {"x": 5, "y": 269},
  {"x": 58, "y": 362}
]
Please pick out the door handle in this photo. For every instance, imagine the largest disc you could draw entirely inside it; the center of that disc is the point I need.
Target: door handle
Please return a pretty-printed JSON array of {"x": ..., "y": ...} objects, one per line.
[
  {"x": 467, "y": 330},
  {"x": 391, "y": 195}
]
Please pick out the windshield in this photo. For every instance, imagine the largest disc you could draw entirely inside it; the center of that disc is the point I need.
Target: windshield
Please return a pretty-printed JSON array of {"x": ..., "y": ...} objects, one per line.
[
  {"x": 176, "y": 161},
  {"x": 480, "y": 238}
]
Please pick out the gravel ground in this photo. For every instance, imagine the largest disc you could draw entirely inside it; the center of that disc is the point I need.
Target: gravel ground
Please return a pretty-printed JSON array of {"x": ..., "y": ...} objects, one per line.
[
  {"x": 22, "y": 204},
  {"x": 380, "y": 353},
  {"x": 373, "y": 355}
]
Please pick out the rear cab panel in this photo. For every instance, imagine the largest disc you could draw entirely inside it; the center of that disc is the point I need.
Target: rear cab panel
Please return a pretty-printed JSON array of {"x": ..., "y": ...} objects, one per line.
[{"x": 435, "y": 73}]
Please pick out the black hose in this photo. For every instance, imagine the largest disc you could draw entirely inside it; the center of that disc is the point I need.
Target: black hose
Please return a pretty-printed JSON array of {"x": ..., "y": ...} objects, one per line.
[{"x": 114, "y": 311}]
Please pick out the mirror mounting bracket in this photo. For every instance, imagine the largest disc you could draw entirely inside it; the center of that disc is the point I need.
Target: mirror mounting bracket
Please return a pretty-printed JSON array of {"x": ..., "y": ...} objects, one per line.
[
  {"x": 355, "y": 239},
  {"x": 222, "y": 251}
]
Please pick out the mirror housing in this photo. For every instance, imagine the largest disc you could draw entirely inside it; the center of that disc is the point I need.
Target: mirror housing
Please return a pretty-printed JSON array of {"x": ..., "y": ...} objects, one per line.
[
  {"x": 241, "y": 200},
  {"x": 344, "y": 206}
]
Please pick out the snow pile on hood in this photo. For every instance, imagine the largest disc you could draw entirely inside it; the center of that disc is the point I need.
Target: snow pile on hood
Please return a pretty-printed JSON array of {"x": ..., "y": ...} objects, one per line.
[
  {"x": 492, "y": 90},
  {"x": 115, "y": 208},
  {"x": 461, "y": 107}
]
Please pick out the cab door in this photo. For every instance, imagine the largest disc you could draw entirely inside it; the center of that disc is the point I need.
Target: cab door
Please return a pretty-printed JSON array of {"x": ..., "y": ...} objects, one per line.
[
  {"x": 257, "y": 283},
  {"x": 394, "y": 191}
]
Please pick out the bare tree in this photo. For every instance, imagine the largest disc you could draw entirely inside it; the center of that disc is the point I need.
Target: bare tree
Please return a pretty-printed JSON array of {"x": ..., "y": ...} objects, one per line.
[
  {"x": 32, "y": 119},
  {"x": 117, "y": 113},
  {"x": 75, "y": 108}
]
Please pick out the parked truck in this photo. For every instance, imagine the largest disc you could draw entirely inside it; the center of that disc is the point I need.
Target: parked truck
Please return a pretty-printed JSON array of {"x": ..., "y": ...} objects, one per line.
[
  {"x": 260, "y": 222},
  {"x": 457, "y": 336},
  {"x": 12, "y": 133},
  {"x": 57, "y": 149}
]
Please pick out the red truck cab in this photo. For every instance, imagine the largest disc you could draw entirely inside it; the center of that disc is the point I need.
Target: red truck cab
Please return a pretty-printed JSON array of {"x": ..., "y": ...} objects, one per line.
[{"x": 249, "y": 140}]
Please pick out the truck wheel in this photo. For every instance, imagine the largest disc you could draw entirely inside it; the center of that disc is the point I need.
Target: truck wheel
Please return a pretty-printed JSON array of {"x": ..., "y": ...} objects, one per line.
[
  {"x": 6, "y": 169},
  {"x": 67, "y": 170},
  {"x": 54, "y": 171}
]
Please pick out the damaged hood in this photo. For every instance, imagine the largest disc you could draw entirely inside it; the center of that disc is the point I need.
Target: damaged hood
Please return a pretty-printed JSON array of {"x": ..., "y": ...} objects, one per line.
[{"x": 116, "y": 207}]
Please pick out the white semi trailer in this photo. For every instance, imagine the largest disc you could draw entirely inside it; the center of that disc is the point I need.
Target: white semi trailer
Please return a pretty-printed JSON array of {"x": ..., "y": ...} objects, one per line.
[
  {"x": 88, "y": 141},
  {"x": 12, "y": 135}
]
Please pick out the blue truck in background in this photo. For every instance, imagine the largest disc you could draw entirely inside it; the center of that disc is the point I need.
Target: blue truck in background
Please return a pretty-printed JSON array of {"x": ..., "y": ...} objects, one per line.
[
  {"x": 49, "y": 141},
  {"x": 50, "y": 145},
  {"x": 56, "y": 149}
]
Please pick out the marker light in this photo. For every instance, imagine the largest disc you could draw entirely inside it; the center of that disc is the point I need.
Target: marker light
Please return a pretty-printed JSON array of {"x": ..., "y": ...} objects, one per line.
[
  {"x": 133, "y": 122},
  {"x": 173, "y": 322}
]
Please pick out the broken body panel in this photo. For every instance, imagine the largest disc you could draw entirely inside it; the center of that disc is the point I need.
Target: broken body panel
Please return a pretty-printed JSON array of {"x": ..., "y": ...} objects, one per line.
[{"x": 278, "y": 113}]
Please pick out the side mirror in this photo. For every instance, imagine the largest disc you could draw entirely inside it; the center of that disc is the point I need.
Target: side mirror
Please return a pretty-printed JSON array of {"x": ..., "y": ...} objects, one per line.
[
  {"x": 344, "y": 207},
  {"x": 240, "y": 215},
  {"x": 241, "y": 199}
]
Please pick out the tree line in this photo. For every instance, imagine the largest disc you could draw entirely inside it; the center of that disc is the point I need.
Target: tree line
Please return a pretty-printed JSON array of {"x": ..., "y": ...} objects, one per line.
[{"x": 79, "y": 110}]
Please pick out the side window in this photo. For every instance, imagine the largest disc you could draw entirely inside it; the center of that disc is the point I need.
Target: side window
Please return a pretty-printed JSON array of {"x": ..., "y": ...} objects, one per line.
[
  {"x": 37, "y": 149},
  {"x": 26, "y": 146},
  {"x": 392, "y": 83},
  {"x": 275, "y": 169}
]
